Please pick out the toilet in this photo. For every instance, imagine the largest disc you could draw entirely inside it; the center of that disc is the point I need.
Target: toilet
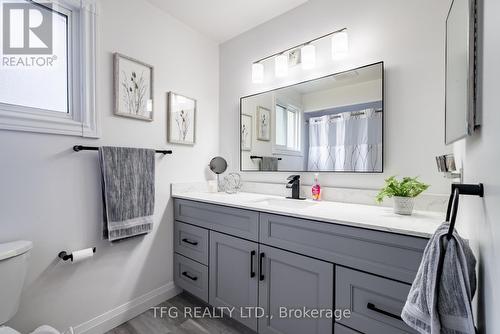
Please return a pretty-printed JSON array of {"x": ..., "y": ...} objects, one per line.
[{"x": 14, "y": 258}]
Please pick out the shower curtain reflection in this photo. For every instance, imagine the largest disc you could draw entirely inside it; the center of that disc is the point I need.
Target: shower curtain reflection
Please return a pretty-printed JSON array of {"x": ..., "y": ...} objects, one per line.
[{"x": 350, "y": 141}]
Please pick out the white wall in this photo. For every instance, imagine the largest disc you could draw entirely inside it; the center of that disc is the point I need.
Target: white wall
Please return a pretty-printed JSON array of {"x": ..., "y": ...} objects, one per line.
[
  {"x": 407, "y": 35},
  {"x": 362, "y": 92},
  {"x": 51, "y": 195},
  {"x": 479, "y": 219}
]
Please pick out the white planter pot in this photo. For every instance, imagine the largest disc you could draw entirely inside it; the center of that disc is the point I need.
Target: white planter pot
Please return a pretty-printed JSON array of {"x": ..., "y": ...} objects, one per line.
[{"x": 403, "y": 205}]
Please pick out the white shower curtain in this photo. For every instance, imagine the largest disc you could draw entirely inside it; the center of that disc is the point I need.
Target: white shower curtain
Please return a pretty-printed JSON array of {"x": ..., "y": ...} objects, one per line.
[{"x": 346, "y": 143}]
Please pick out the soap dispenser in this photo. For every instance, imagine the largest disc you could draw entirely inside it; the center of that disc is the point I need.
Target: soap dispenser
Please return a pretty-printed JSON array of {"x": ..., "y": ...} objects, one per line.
[{"x": 316, "y": 188}]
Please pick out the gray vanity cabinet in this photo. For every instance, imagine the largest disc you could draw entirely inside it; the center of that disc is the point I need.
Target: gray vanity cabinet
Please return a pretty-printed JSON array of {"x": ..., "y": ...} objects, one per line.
[
  {"x": 233, "y": 276},
  {"x": 238, "y": 222},
  {"x": 375, "y": 302},
  {"x": 250, "y": 261},
  {"x": 387, "y": 254},
  {"x": 289, "y": 281}
]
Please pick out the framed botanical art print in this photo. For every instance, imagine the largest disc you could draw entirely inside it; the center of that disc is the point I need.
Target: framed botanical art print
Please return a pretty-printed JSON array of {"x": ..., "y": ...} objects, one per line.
[
  {"x": 246, "y": 132},
  {"x": 133, "y": 88},
  {"x": 181, "y": 119},
  {"x": 263, "y": 124}
]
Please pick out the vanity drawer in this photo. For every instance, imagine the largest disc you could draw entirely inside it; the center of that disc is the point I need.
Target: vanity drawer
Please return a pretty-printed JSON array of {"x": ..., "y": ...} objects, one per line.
[
  {"x": 191, "y": 241},
  {"x": 375, "y": 302},
  {"x": 386, "y": 254},
  {"x": 238, "y": 222},
  {"x": 191, "y": 276}
]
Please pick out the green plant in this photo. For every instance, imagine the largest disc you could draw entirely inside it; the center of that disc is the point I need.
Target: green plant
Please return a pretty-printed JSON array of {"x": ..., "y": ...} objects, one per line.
[{"x": 407, "y": 187}]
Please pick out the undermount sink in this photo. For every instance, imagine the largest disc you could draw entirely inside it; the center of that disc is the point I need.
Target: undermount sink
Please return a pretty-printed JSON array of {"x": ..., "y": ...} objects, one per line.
[{"x": 286, "y": 203}]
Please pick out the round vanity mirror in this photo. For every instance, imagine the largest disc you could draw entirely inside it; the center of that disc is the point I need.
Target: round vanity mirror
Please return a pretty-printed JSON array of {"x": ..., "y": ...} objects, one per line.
[{"x": 218, "y": 165}]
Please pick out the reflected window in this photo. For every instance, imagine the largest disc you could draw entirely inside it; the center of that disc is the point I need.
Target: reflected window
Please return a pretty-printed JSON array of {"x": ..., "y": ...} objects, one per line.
[{"x": 287, "y": 128}]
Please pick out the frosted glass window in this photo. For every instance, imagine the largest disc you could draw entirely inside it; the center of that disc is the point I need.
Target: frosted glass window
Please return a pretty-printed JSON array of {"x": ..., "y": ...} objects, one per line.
[{"x": 39, "y": 80}]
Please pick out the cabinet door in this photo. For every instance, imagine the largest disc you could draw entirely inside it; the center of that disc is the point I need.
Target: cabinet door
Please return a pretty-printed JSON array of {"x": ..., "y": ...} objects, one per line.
[
  {"x": 290, "y": 281},
  {"x": 233, "y": 276}
]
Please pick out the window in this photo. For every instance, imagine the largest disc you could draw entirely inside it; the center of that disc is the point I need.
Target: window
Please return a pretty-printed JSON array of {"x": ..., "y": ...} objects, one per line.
[
  {"x": 287, "y": 130},
  {"x": 47, "y": 71}
]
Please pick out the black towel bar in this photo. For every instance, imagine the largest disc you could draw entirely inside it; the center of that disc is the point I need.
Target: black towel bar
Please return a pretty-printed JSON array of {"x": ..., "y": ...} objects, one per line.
[
  {"x": 78, "y": 148},
  {"x": 458, "y": 189},
  {"x": 258, "y": 157}
]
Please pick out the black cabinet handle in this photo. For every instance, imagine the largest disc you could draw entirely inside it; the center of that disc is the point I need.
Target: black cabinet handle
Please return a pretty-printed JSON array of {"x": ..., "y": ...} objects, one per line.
[
  {"x": 262, "y": 256},
  {"x": 372, "y": 307},
  {"x": 252, "y": 271},
  {"x": 192, "y": 278},
  {"x": 194, "y": 243}
]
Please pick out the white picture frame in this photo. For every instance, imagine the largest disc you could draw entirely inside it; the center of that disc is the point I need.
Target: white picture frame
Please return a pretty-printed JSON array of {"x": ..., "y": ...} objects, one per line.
[
  {"x": 133, "y": 88},
  {"x": 263, "y": 124},
  {"x": 246, "y": 132},
  {"x": 181, "y": 119}
]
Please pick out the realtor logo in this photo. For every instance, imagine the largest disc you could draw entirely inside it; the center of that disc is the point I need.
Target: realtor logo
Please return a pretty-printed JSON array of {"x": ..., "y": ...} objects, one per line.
[{"x": 27, "y": 28}]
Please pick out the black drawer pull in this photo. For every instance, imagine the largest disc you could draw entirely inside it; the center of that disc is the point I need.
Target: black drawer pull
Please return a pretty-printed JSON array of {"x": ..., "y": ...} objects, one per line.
[
  {"x": 252, "y": 271},
  {"x": 372, "y": 307},
  {"x": 262, "y": 256},
  {"x": 192, "y": 278},
  {"x": 194, "y": 243}
]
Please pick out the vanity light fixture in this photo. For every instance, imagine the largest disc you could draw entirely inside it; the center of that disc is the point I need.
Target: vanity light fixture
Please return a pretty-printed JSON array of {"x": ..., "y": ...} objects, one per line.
[
  {"x": 281, "y": 65},
  {"x": 340, "y": 44},
  {"x": 339, "y": 47},
  {"x": 308, "y": 53},
  {"x": 257, "y": 73}
]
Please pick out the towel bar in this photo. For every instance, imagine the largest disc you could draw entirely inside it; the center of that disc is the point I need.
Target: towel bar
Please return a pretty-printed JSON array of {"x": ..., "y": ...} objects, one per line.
[
  {"x": 78, "y": 148},
  {"x": 258, "y": 157}
]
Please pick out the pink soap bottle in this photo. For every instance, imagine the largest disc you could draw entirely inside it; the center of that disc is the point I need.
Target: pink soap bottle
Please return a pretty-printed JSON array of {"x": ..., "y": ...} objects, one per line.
[{"x": 316, "y": 189}]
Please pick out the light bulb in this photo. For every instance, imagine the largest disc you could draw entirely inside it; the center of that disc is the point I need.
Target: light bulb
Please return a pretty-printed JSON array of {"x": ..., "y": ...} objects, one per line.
[
  {"x": 340, "y": 45},
  {"x": 281, "y": 65},
  {"x": 257, "y": 73},
  {"x": 308, "y": 55}
]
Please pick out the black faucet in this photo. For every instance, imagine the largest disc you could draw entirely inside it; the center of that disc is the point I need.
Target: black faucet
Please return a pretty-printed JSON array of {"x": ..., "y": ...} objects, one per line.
[{"x": 294, "y": 184}]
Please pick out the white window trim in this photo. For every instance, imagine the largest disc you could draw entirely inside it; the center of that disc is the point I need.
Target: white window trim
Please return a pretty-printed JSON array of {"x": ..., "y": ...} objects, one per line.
[
  {"x": 82, "y": 119},
  {"x": 280, "y": 149}
]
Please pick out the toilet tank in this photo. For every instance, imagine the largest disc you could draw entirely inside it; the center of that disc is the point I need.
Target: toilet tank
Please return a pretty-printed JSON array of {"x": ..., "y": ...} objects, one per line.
[{"x": 13, "y": 265}]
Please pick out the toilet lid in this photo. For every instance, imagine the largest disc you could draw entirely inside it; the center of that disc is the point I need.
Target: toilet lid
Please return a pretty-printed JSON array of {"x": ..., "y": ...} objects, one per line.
[
  {"x": 8, "y": 330},
  {"x": 15, "y": 248},
  {"x": 45, "y": 330}
]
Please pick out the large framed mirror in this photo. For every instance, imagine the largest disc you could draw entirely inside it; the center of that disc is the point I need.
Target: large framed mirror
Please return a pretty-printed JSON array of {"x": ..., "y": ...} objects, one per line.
[
  {"x": 331, "y": 124},
  {"x": 460, "y": 107}
]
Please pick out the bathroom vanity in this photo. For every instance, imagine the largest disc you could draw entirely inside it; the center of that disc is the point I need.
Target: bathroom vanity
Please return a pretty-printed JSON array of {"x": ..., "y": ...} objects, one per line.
[{"x": 251, "y": 250}]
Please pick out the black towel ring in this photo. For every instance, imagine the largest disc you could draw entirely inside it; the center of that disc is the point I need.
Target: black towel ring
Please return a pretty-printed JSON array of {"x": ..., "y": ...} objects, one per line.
[{"x": 458, "y": 189}]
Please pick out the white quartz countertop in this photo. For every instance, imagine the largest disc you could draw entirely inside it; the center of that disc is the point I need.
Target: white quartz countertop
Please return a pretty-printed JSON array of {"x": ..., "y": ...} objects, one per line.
[{"x": 420, "y": 224}]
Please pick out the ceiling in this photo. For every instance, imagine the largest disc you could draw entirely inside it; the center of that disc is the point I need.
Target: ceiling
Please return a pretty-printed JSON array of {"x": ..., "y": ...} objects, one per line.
[{"x": 221, "y": 20}]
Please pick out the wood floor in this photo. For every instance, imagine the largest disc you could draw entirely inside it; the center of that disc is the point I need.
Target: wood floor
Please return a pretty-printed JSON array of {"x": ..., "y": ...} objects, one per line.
[{"x": 147, "y": 323}]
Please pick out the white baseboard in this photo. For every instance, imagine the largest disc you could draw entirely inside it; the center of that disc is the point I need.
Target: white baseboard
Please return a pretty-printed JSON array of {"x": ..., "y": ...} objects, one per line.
[{"x": 115, "y": 317}]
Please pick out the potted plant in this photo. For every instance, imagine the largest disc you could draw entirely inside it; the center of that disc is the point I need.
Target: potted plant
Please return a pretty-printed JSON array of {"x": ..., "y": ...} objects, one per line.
[{"x": 404, "y": 193}]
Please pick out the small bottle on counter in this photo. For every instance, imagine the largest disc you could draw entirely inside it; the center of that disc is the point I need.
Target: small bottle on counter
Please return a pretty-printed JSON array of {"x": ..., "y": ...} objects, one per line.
[{"x": 316, "y": 189}]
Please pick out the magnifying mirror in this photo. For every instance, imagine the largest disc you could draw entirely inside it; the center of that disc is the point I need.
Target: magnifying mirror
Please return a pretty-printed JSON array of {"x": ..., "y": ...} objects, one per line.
[{"x": 218, "y": 165}]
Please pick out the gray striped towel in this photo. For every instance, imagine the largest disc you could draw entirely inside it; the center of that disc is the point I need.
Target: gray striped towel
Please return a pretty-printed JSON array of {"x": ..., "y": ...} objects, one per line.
[
  {"x": 440, "y": 298},
  {"x": 128, "y": 191}
]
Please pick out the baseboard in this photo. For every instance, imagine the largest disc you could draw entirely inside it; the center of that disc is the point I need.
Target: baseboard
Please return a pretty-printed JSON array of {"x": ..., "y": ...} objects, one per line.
[{"x": 115, "y": 317}]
